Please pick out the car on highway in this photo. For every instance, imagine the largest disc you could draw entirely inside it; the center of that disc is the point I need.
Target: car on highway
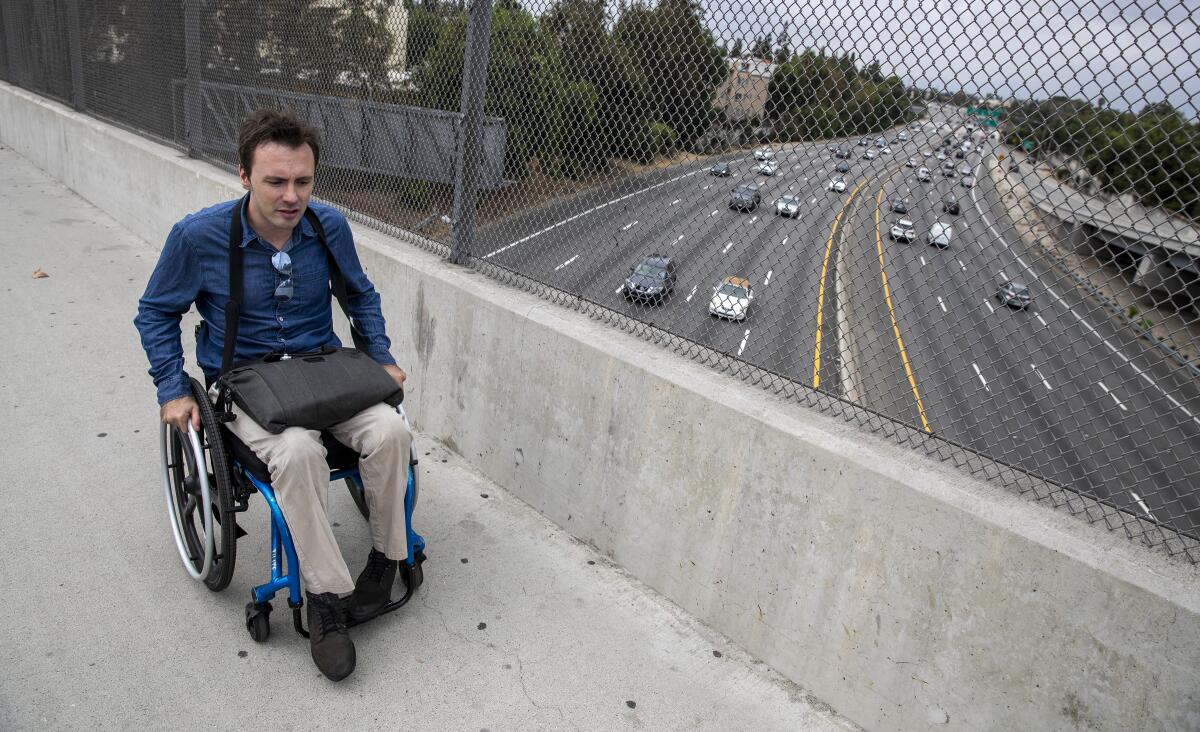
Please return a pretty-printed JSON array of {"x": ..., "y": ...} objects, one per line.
[
  {"x": 732, "y": 299},
  {"x": 903, "y": 136},
  {"x": 923, "y": 174},
  {"x": 764, "y": 153},
  {"x": 948, "y": 173},
  {"x": 788, "y": 206},
  {"x": 939, "y": 235},
  {"x": 910, "y": 163},
  {"x": 767, "y": 167},
  {"x": 950, "y": 204},
  {"x": 650, "y": 280},
  {"x": 721, "y": 170},
  {"x": 869, "y": 154},
  {"x": 745, "y": 197},
  {"x": 1014, "y": 167},
  {"x": 960, "y": 154},
  {"x": 1014, "y": 294},
  {"x": 842, "y": 152},
  {"x": 964, "y": 169},
  {"x": 864, "y": 142},
  {"x": 837, "y": 185},
  {"x": 886, "y": 150},
  {"x": 903, "y": 230},
  {"x": 899, "y": 205},
  {"x": 927, "y": 153},
  {"x": 968, "y": 181},
  {"x": 880, "y": 142},
  {"x": 941, "y": 155},
  {"x": 843, "y": 166}
]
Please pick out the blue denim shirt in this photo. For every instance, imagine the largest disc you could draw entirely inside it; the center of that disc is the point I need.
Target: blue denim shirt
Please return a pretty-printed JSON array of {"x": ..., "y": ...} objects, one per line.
[{"x": 194, "y": 268}]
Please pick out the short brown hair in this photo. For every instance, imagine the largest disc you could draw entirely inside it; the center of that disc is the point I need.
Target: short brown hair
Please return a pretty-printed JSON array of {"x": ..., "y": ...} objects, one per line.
[{"x": 269, "y": 125}]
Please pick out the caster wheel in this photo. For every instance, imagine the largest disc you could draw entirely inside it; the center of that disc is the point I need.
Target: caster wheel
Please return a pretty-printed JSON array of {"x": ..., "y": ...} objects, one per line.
[
  {"x": 258, "y": 621},
  {"x": 415, "y": 575}
]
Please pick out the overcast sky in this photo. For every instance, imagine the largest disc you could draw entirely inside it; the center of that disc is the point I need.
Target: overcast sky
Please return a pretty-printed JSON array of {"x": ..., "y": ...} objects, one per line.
[{"x": 1132, "y": 53}]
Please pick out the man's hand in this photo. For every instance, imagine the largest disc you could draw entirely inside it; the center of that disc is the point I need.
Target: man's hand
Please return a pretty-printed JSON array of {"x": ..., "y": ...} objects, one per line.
[
  {"x": 178, "y": 412},
  {"x": 396, "y": 373}
]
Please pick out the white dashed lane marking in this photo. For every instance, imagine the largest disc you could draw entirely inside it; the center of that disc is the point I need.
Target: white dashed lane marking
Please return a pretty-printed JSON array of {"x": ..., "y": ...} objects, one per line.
[
  {"x": 922, "y": 261},
  {"x": 980, "y": 375},
  {"x": 564, "y": 264},
  {"x": 767, "y": 281},
  {"x": 1039, "y": 375},
  {"x": 1114, "y": 396},
  {"x": 1142, "y": 503},
  {"x": 745, "y": 338},
  {"x": 727, "y": 247},
  {"x": 629, "y": 226},
  {"x": 989, "y": 306},
  {"x": 941, "y": 303},
  {"x": 692, "y": 293}
]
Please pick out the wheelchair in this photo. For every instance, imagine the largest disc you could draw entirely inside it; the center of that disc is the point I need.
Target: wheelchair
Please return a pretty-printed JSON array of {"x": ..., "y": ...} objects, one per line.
[{"x": 208, "y": 478}]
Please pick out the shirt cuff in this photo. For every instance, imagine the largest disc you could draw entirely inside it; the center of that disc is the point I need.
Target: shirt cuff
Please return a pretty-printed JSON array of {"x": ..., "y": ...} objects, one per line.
[
  {"x": 173, "y": 389},
  {"x": 382, "y": 356}
]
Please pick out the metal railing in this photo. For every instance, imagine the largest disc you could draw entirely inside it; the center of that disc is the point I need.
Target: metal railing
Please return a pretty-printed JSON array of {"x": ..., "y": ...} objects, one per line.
[{"x": 944, "y": 225}]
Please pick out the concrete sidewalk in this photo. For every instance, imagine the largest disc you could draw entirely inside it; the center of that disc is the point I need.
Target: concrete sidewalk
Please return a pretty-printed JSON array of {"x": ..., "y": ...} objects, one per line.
[{"x": 516, "y": 627}]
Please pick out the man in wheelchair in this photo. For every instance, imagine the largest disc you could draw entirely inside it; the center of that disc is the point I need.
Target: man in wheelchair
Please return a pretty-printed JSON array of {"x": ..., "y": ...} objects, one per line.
[{"x": 286, "y": 309}]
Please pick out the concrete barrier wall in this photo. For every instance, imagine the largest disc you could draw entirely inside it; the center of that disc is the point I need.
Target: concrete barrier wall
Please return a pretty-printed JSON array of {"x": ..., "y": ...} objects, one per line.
[{"x": 900, "y": 592}]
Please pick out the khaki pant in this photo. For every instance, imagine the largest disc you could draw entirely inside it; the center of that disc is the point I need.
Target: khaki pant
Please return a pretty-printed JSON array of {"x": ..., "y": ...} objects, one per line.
[{"x": 300, "y": 478}]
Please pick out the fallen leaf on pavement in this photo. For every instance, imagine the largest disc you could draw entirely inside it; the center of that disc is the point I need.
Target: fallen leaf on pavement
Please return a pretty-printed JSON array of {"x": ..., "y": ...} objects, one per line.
[{"x": 39, "y": 274}]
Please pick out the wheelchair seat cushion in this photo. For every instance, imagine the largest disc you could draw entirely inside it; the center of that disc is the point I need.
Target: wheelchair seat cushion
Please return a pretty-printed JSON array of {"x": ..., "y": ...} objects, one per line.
[{"x": 337, "y": 455}]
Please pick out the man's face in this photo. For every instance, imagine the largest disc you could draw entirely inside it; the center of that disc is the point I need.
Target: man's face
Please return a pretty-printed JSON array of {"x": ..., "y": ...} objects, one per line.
[{"x": 280, "y": 183}]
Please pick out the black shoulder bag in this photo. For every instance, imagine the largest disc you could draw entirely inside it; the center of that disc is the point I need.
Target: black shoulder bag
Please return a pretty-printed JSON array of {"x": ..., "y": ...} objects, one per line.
[{"x": 313, "y": 390}]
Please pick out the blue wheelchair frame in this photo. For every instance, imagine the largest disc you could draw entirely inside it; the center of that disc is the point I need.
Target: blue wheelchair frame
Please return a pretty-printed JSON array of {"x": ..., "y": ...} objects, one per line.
[
  {"x": 186, "y": 480},
  {"x": 285, "y": 566}
]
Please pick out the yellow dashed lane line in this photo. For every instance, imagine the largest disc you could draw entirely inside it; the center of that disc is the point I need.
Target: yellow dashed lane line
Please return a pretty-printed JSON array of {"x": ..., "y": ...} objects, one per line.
[
  {"x": 837, "y": 221},
  {"x": 887, "y": 295}
]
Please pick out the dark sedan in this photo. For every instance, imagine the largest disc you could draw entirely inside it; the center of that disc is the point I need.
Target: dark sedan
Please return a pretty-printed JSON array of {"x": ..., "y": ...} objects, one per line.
[
  {"x": 650, "y": 280},
  {"x": 950, "y": 205},
  {"x": 1015, "y": 295},
  {"x": 745, "y": 198},
  {"x": 721, "y": 170}
]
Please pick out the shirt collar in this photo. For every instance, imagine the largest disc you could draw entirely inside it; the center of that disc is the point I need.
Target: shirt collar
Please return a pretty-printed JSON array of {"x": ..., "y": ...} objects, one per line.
[{"x": 249, "y": 234}]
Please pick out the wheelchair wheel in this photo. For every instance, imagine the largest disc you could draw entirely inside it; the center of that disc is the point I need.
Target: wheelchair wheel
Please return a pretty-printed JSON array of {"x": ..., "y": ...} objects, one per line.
[
  {"x": 196, "y": 481},
  {"x": 258, "y": 621}
]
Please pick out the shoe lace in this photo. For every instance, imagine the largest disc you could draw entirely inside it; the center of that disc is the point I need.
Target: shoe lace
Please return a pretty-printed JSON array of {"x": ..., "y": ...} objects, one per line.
[
  {"x": 377, "y": 564},
  {"x": 331, "y": 613}
]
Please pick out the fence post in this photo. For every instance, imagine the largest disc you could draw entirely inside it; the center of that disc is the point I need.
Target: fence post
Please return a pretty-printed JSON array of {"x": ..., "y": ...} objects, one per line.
[
  {"x": 470, "y": 143},
  {"x": 75, "y": 41},
  {"x": 193, "y": 16}
]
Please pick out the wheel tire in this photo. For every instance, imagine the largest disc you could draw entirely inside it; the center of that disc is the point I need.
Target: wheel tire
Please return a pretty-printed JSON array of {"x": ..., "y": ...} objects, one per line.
[
  {"x": 358, "y": 493},
  {"x": 221, "y": 484},
  {"x": 258, "y": 623},
  {"x": 416, "y": 575}
]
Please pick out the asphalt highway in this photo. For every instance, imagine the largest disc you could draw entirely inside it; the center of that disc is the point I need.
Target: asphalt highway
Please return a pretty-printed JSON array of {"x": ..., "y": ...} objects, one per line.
[{"x": 906, "y": 329}]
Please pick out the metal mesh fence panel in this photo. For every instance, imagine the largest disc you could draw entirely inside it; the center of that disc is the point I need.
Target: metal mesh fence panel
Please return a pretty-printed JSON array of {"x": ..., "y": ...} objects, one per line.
[{"x": 970, "y": 226}]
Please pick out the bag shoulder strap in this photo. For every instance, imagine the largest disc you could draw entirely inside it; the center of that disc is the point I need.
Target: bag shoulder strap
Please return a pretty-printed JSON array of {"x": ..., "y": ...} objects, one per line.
[
  {"x": 237, "y": 273},
  {"x": 233, "y": 305},
  {"x": 337, "y": 282}
]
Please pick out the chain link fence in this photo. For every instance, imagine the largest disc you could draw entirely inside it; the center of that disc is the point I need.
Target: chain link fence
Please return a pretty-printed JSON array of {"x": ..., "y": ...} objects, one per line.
[{"x": 970, "y": 226}]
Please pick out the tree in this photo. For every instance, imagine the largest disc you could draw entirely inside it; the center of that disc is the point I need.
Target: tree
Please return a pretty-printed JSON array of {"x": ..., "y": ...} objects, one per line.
[
  {"x": 676, "y": 53},
  {"x": 783, "y": 39},
  {"x": 524, "y": 82},
  {"x": 425, "y": 21},
  {"x": 736, "y": 50},
  {"x": 365, "y": 43},
  {"x": 762, "y": 47}
]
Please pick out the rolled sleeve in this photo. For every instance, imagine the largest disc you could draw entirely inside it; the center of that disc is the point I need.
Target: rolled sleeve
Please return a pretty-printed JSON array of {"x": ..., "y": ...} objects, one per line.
[{"x": 173, "y": 287}]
